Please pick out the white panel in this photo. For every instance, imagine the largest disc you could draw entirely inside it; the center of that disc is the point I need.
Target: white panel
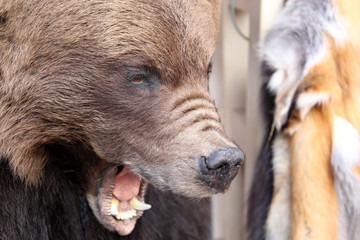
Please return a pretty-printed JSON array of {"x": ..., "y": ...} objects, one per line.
[{"x": 235, "y": 84}]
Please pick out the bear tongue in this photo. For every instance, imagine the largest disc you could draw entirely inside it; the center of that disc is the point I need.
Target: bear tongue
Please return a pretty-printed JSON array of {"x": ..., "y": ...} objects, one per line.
[{"x": 127, "y": 185}]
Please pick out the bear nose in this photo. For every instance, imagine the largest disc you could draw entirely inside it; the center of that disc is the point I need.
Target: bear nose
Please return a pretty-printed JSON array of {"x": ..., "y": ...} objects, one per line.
[
  {"x": 224, "y": 158},
  {"x": 221, "y": 167}
]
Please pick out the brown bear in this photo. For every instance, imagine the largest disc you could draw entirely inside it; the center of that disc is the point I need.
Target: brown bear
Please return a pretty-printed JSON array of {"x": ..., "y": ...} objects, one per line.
[{"x": 107, "y": 128}]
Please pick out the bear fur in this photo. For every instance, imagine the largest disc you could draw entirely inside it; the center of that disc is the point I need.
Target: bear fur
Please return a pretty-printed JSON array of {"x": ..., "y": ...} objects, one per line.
[
  {"x": 59, "y": 210},
  {"x": 89, "y": 88}
]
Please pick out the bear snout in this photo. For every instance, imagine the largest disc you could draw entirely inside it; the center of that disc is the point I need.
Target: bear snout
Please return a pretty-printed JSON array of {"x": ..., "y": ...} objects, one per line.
[{"x": 219, "y": 168}]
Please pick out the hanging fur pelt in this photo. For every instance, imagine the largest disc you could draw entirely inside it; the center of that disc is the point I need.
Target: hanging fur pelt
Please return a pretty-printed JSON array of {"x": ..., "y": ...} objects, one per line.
[{"x": 307, "y": 180}]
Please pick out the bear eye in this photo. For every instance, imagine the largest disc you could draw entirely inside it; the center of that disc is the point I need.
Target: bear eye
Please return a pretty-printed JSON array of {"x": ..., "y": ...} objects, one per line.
[
  {"x": 137, "y": 79},
  {"x": 142, "y": 78}
]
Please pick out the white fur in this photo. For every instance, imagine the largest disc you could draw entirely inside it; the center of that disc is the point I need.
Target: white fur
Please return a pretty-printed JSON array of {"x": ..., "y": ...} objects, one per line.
[
  {"x": 278, "y": 220},
  {"x": 345, "y": 156},
  {"x": 276, "y": 80},
  {"x": 296, "y": 44},
  {"x": 337, "y": 30},
  {"x": 306, "y": 101},
  {"x": 346, "y": 145}
]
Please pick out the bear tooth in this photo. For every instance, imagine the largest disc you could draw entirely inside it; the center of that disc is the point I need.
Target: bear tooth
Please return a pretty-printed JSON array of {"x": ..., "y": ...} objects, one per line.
[
  {"x": 114, "y": 206},
  {"x": 126, "y": 215},
  {"x": 139, "y": 205}
]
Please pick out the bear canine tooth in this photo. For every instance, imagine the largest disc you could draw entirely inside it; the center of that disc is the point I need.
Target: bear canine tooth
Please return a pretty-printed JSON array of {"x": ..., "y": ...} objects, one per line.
[
  {"x": 139, "y": 205},
  {"x": 114, "y": 206},
  {"x": 126, "y": 215}
]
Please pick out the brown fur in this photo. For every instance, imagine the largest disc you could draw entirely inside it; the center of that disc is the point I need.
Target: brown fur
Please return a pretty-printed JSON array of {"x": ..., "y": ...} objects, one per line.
[
  {"x": 62, "y": 57},
  {"x": 322, "y": 196},
  {"x": 312, "y": 181},
  {"x": 311, "y": 144},
  {"x": 65, "y": 86}
]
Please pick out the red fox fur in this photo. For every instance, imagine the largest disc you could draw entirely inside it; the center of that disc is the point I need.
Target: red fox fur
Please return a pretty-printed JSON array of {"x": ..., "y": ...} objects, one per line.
[{"x": 313, "y": 52}]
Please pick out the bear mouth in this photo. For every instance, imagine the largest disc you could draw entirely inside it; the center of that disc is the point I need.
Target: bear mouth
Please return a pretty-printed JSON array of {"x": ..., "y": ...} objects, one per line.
[{"x": 121, "y": 199}]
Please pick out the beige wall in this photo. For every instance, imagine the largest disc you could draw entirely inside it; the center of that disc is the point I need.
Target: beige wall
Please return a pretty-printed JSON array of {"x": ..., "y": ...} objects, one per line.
[{"x": 235, "y": 84}]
